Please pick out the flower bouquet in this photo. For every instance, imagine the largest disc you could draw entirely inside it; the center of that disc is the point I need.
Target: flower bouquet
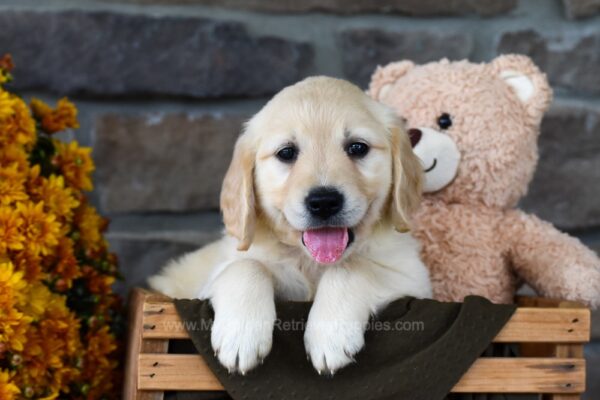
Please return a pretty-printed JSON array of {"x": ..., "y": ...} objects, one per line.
[{"x": 60, "y": 323}]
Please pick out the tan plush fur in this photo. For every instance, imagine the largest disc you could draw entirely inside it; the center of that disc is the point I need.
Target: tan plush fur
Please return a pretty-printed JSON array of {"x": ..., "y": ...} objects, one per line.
[{"x": 474, "y": 241}]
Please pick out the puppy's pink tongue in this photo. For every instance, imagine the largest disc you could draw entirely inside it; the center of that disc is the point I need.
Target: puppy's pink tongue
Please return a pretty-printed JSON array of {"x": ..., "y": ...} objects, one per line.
[{"x": 326, "y": 245}]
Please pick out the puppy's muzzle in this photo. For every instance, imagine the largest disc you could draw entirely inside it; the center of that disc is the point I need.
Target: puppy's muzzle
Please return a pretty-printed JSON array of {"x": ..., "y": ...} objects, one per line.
[
  {"x": 324, "y": 202},
  {"x": 328, "y": 238}
]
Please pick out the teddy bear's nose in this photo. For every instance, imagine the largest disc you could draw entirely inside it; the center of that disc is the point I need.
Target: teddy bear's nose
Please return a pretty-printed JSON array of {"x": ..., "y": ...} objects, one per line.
[{"x": 415, "y": 136}]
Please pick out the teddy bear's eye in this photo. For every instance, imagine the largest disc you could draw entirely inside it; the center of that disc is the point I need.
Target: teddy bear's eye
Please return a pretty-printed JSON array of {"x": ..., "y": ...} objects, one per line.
[{"x": 444, "y": 121}]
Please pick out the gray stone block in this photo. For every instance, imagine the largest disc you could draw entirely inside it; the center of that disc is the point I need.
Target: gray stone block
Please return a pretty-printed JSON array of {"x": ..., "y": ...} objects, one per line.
[
  {"x": 140, "y": 259},
  {"x": 571, "y": 60},
  {"x": 581, "y": 8},
  {"x": 364, "y": 49},
  {"x": 594, "y": 244},
  {"x": 408, "y": 7},
  {"x": 144, "y": 244},
  {"x": 592, "y": 355},
  {"x": 107, "y": 53},
  {"x": 163, "y": 162},
  {"x": 595, "y": 325},
  {"x": 565, "y": 189}
]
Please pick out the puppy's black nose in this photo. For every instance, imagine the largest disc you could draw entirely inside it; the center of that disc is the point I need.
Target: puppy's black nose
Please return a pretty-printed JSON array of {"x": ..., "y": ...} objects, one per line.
[{"x": 324, "y": 202}]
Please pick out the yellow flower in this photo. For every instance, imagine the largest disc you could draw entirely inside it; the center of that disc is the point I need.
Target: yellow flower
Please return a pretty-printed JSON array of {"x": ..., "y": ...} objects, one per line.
[
  {"x": 37, "y": 298},
  {"x": 12, "y": 285},
  {"x": 12, "y": 184},
  {"x": 55, "y": 120},
  {"x": 8, "y": 390},
  {"x": 41, "y": 230},
  {"x": 90, "y": 225},
  {"x": 14, "y": 326},
  {"x": 14, "y": 154},
  {"x": 58, "y": 199},
  {"x": 50, "y": 241},
  {"x": 7, "y": 104},
  {"x": 19, "y": 126},
  {"x": 13, "y": 323},
  {"x": 75, "y": 164},
  {"x": 10, "y": 236}
]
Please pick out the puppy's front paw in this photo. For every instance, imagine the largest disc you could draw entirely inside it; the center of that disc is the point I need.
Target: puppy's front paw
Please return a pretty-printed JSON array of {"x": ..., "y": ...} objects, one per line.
[
  {"x": 331, "y": 345},
  {"x": 242, "y": 342}
]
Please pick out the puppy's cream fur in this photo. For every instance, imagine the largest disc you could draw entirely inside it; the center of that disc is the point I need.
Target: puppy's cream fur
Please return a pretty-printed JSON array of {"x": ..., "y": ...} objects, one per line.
[{"x": 262, "y": 257}]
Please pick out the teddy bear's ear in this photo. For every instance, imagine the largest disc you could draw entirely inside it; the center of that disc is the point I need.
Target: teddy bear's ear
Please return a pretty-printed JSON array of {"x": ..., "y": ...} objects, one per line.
[
  {"x": 384, "y": 77},
  {"x": 527, "y": 82}
]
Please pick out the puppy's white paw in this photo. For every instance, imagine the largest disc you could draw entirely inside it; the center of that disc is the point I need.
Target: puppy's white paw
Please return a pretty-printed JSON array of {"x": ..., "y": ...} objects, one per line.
[
  {"x": 241, "y": 340},
  {"x": 331, "y": 345}
]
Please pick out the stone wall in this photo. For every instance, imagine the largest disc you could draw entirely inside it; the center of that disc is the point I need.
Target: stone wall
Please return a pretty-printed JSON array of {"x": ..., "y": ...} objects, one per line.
[{"x": 163, "y": 86}]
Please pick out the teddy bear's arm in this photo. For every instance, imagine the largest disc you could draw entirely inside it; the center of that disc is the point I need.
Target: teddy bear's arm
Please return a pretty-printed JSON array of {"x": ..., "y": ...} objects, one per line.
[{"x": 555, "y": 264}]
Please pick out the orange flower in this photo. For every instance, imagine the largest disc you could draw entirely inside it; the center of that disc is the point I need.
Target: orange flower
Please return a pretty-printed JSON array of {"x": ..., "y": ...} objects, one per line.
[
  {"x": 6, "y": 63},
  {"x": 65, "y": 266},
  {"x": 75, "y": 164},
  {"x": 98, "y": 361},
  {"x": 28, "y": 262},
  {"x": 53, "y": 345},
  {"x": 8, "y": 390},
  {"x": 55, "y": 120},
  {"x": 97, "y": 283},
  {"x": 41, "y": 230}
]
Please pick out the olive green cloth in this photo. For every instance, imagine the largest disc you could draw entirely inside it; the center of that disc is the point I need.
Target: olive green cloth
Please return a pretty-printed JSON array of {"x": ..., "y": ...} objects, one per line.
[{"x": 415, "y": 349}]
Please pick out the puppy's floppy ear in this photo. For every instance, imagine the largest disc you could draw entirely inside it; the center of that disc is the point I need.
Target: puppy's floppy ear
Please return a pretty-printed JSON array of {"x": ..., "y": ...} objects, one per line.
[
  {"x": 384, "y": 77},
  {"x": 407, "y": 179},
  {"x": 237, "y": 194}
]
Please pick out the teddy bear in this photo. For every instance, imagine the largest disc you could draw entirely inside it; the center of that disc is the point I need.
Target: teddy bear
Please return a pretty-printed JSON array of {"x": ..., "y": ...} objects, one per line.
[{"x": 475, "y": 129}]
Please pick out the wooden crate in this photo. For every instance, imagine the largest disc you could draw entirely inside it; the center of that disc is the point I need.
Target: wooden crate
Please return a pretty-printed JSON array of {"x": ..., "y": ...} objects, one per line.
[{"x": 551, "y": 334}]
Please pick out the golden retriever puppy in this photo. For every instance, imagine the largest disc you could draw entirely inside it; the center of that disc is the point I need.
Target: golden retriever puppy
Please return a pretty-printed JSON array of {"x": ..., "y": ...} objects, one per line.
[{"x": 315, "y": 204}]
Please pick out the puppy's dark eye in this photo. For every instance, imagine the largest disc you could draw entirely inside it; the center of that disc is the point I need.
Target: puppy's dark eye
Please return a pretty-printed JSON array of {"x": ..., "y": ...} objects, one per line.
[
  {"x": 444, "y": 121},
  {"x": 287, "y": 154},
  {"x": 357, "y": 149}
]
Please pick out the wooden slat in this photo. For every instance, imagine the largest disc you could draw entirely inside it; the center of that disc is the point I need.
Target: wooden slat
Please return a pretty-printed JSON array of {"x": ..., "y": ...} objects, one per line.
[
  {"x": 161, "y": 321},
  {"x": 486, "y": 375},
  {"x": 558, "y": 325},
  {"x": 137, "y": 345},
  {"x": 134, "y": 342},
  {"x": 175, "y": 372},
  {"x": 544, "y": 302},
  {"x": 542, "y": 325},
  {"x": 524, "y": 375},
  {"x": 567, "y": 351},
  {"x": 153, "y": 346}
]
